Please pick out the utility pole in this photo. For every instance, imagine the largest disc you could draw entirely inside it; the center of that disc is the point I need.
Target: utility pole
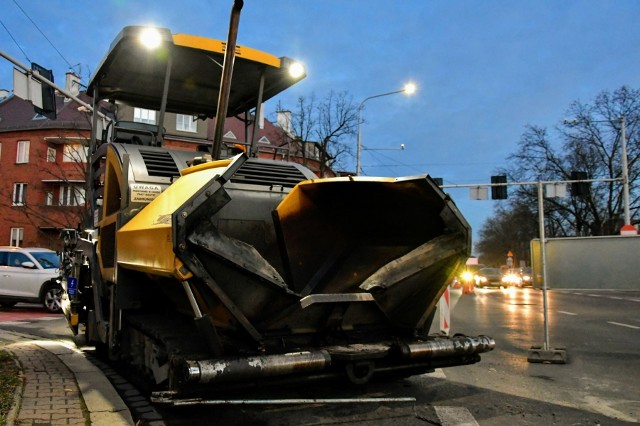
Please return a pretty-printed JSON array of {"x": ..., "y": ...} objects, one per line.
[{"x": 625, "y": 172}]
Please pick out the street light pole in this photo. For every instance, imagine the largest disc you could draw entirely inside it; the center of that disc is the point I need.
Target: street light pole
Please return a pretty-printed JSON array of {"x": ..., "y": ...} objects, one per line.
[{"x": 409, "y": 89}]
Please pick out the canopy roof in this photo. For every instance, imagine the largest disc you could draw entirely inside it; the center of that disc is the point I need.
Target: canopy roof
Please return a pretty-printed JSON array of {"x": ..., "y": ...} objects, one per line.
[{"x": 134, "y": 74}]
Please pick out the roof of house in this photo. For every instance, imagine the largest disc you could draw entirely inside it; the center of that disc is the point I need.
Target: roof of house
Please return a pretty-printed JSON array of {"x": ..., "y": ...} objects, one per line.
[
  {"x": 18, "y": 114},
  {"x": 270, "y": 133}
]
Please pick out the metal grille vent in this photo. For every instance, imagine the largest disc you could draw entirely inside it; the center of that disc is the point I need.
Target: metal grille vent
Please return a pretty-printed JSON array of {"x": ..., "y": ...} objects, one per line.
[
  {"x": 269, "y": 174},
  {"x": 160, "y": 163}
]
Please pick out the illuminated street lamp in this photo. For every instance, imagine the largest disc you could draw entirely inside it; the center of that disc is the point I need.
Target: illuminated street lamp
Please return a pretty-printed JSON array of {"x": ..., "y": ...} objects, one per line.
[{"x": 409, "y": 89}]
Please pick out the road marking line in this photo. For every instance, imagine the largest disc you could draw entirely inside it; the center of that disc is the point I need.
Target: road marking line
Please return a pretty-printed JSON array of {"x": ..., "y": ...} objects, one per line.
[
  {"x": 624, "y": 325},
  {"x": 14, "y": 322},
  {"x": 567, "y": 313},
  {"x": 455, "y": 416}
]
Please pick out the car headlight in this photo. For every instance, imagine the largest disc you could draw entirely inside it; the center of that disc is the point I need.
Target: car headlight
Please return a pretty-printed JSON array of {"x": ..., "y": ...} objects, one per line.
[{"x": 511, "y": 279}]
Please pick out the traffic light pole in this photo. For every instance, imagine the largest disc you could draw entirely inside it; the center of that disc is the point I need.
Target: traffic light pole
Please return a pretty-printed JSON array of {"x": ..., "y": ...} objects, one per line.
[
  {"x": 543, "y": 354},
  {"x": 533, "y": 183},
  {"x": 543, "y": 257}
]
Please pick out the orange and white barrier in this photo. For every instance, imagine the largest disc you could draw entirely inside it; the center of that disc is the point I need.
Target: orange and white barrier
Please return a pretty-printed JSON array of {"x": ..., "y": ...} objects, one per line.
[
  {"x": 445, "y": 313},
  {"x": 628, "y": 230}
]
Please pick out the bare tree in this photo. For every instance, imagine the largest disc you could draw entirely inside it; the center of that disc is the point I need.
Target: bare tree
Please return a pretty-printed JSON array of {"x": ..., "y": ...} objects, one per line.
[
  {"x": 589, "y": 141},
  {"x": 303, "y": 123},
  {"x": 321, "y": 129},
  {"x": 337, "y": 121},
  {"x": 511, "y": 228}
]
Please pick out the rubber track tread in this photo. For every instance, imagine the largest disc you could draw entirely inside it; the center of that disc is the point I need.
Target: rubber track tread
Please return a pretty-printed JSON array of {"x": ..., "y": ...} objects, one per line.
[{"x": 178, "y": 336}]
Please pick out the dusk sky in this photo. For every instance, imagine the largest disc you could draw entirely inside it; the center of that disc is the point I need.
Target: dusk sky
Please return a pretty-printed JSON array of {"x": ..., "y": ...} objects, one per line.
[{"x": 484, "y": 69}]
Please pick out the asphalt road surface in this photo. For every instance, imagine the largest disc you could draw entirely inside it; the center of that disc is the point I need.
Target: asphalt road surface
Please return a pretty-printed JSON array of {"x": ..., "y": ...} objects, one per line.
[
  {"x": 597, "y": 385},
  {"x": 600, "y": 331}
]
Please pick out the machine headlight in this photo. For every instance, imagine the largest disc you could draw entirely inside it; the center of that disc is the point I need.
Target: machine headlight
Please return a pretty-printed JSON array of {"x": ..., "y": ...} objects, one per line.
[
  {"x": 296, "y": 70},
  {"x": 150, "y": 38}
]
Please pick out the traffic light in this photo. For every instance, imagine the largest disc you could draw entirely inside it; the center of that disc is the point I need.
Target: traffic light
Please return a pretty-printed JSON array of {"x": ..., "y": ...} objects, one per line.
[
  {"x": 579, "y": 189},
  {"x": 48, "y": 93},
  {"x": 499, "y": 192}
]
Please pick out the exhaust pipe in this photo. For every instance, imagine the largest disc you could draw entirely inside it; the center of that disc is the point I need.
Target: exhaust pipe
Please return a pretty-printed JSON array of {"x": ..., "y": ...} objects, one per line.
[
  {"x": 245, "y": 369},
  {"x": 225, "y": 80},
  {"x": 447, "y": 348}
]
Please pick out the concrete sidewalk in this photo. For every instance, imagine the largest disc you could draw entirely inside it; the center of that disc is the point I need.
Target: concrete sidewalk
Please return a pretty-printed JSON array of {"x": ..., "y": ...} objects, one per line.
[{"x": 60, "y": 386}]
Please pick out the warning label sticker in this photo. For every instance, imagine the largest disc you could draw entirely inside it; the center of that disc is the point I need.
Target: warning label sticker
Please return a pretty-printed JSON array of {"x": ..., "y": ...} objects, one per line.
[{"x": 143, "y": 193}]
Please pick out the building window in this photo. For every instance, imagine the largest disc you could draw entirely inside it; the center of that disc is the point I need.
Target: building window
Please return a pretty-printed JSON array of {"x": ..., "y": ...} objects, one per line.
[
  {"x": 141, "y": 115},
  {"x": 17, "y": 235},
  {"x": 74, "y": 153},
  {"x": 19, "y": 194},
  {"x": 48, "y": 198},
  {"x": 71, "y": 195},
  {"x": 186, "y": 123},
  {"x": 22, "y": 155},
  {"x": 51, "y": 155}
]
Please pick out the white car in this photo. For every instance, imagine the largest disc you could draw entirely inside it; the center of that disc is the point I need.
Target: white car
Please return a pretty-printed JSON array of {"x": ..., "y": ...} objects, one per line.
[{"x": 30, "y": 275}]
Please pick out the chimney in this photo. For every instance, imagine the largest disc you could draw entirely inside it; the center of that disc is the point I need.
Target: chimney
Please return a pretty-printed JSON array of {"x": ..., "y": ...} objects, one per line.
[
  {"x": 72, "y": 83},
  {"x": 284, "y": 121}
]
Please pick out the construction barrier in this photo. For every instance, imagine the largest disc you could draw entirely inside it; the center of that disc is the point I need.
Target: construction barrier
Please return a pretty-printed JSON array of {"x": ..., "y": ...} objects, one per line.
[{"x": 445, "y": 313}]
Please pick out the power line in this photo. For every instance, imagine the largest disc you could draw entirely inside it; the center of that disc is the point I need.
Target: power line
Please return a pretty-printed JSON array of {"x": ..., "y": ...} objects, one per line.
[
  {"x": 458, "y": 163},
  {"x": 43, "y": 34},
  {"x": 376, "y": 154},
  {"x": 418, "y": 167},
  {"x": 15, "y": 41}
]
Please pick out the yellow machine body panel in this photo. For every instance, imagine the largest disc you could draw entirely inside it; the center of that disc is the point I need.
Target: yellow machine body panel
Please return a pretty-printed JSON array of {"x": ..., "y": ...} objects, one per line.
[
  {"x": 300, "y": 200},
  {"x": 145, "y": 242},
  {"x": 219, "y": 46}
]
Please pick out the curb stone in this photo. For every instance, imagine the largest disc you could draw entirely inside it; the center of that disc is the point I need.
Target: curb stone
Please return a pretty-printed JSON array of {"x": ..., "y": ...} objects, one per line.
[
  {"x": 97, "y": 399},
  {"x": 12, "y": 415}
]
